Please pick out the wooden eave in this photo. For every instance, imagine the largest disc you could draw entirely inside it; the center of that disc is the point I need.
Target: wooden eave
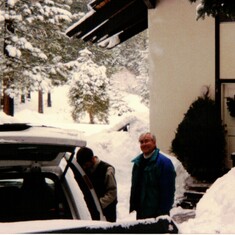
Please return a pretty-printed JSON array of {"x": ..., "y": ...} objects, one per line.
[{"x": 111, "y": 22}]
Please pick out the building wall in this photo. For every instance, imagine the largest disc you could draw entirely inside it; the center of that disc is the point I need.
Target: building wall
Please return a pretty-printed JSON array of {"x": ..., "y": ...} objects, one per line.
[
  {"x": 227, "y": 72},
  {"x": 182, "y": 63}
]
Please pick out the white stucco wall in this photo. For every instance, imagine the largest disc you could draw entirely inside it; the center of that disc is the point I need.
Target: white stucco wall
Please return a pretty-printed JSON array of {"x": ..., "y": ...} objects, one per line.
[{"x": 182, "y": 63}]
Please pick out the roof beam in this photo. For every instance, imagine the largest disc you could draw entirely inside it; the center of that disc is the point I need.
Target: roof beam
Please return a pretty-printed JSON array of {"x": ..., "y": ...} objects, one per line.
[
  {"x": 96, "y": 16},
  {"x": 129, "y": 16},
  {"x": 112, "y": 21}
]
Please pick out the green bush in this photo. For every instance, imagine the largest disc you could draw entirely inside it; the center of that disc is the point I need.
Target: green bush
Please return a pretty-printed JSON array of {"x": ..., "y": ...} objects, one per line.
[{"x": 199, "y": 141}]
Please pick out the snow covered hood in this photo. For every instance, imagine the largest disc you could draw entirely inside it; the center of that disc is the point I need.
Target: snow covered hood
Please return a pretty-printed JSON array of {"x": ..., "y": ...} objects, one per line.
[
  {"x": 27, "y": 143},
  {"x": 162, "y": 224}
]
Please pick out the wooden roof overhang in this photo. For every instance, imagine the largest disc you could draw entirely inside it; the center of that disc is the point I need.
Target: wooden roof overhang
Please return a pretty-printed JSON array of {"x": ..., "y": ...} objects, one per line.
[{"x": 111, "y": 22}]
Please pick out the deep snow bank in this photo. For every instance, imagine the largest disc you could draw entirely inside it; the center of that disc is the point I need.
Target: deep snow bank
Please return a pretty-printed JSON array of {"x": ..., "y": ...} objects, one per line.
[{"x": 215, "y": 212}]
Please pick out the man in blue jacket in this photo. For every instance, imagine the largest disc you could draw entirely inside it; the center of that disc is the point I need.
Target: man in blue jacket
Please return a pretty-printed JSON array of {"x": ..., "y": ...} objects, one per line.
[{"x": 153, "y": 181}]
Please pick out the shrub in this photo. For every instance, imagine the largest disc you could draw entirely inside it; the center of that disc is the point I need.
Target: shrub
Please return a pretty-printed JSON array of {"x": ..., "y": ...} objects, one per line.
[{"x": 199, "y": 141}]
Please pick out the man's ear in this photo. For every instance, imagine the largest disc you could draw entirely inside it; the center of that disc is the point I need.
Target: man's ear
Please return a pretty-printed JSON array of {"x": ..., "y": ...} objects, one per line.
[{"x": 93, "y": 159}]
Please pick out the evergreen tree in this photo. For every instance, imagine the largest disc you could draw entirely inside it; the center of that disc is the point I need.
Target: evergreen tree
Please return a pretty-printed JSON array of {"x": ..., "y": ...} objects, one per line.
[
  {"x": 2, "y": 57},
  {"x": 37, "y": 53},
  {"x": 117, "y": 104},
  {"x": 199, "y": 141},
  {"x": 136, "y": 61},
  {"x": 216, "y": 7},
  {"x": 20, "y": 54},
  {"x": 133, "y": 60},
  {"x": 143, "y": 79},
  {"x": 34, "y": 40},
  {"x": 88, "y": 93}
]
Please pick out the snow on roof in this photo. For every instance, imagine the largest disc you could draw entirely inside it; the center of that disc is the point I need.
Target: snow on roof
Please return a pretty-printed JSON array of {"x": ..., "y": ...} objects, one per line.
[{"x": 44, "y": 135}]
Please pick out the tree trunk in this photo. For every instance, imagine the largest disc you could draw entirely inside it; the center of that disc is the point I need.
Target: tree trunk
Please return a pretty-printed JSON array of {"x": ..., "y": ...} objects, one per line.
[
  {"x": 40, "y": 101},
  {"x": 22, "y": 99},
  {"x": 1, "y": 100},
  {"x": 8, "y": 102},
  {"x": 49, "y": 103},
  {"x": 91, "y": 116},
  {"x": 8, "y": 105},
  {"x": 29, "y": 95}
]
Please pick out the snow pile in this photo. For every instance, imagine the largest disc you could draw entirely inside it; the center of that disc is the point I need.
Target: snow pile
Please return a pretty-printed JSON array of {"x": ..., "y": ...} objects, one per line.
[{"x": 215, "y": 212}]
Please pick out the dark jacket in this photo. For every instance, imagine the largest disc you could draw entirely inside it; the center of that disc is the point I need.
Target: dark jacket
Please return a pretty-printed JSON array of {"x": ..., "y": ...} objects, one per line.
[
  {"x": 104, "y": 190},
  {"x": 98, "y": 178},
  {"x": 153, "y": 186}
]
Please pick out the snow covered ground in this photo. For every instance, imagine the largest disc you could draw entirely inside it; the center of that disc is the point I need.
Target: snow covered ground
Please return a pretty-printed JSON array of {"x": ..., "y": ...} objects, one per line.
[{"x": 215, "y": 212}]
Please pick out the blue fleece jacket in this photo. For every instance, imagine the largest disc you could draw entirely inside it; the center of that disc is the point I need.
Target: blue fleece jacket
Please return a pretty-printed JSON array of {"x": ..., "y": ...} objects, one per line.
[{"x": 153, "y": 187}]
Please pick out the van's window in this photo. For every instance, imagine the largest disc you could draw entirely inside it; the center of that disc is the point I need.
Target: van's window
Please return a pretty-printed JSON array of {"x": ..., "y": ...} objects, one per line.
[{"x": 31, "y": 197}]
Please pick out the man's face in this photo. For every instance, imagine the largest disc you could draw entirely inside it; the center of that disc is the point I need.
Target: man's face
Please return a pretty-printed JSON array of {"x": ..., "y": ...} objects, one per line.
[
  {"x": 87, "y": 165},
  {"x": 147, "y": 144}
]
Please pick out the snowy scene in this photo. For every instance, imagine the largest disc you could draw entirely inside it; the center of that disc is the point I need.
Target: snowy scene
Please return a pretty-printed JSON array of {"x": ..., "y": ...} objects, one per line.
[
  {"x": 215, "y": 211},
  {"x": 68, "y": 64}
]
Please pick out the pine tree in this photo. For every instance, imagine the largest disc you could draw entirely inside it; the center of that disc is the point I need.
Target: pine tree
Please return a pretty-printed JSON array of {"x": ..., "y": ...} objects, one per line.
[
  {"x": 19, "y": 53},
  {"x": 133, "y": 60},
  {"x": 39, "y": 53},
  {"x": 2, "y": 57},
  {"x": 118, "y": 106},
  {"x": 199, "y": 141},
  {"x": 34, "y": 43},
  {"x": 143, "y": 78},
  {"x": 215, "y": 8},
  {"x": 88, "y": 93},
  {"x": 136, "y": 61}
]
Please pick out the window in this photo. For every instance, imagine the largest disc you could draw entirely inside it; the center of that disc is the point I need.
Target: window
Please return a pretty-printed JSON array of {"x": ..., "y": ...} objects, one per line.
[{"x": 30, "y": 197}]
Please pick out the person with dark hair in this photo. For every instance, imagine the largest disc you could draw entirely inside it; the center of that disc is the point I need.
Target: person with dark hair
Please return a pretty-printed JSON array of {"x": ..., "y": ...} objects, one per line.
[
  {"x": 102, "y": 176},
  {"x": 153, "y": 181}
]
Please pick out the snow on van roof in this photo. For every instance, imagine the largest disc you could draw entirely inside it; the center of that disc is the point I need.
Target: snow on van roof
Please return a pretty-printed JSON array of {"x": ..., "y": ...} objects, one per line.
[{"x": 33, "y": 134}]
